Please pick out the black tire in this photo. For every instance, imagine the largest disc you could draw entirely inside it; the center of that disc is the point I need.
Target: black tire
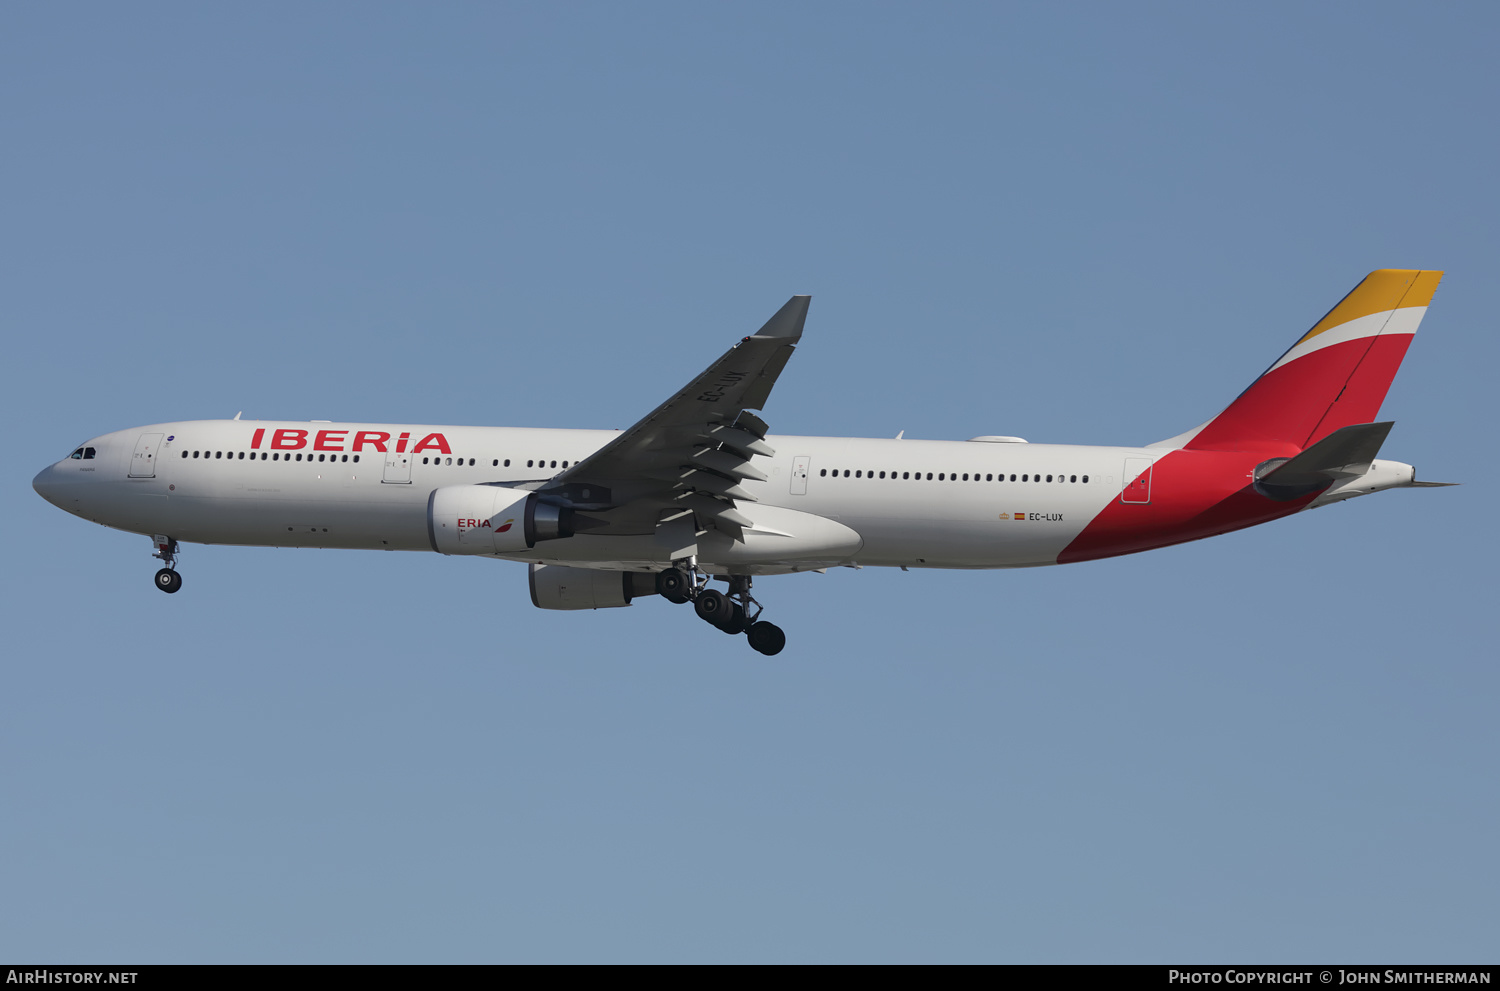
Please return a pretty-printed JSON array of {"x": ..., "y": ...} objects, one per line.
[
  {"x": 673, "y": 585},
  {"x": 168, "y": 580},
  {"x": 736, "y": 622},
  {"x": 766, "y": 638},
  {"x": 713, "y": 606}
]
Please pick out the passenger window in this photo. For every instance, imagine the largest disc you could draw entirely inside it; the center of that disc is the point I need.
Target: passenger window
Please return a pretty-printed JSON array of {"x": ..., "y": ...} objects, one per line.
[
  {"x": 565, "y": 464},
  {"x": 929, "y": 476},
  {"x": 1049, "y": 478},
  {"x": 857, "y": 474},
  {"x": 1072, "y": 478},
  {"x": 449, "y": 461},
  {"x": 356, "y": 459},
  {"x": 184, "y": 454},
  {"x": 1025, "y": 478},
  {"x": 882, "y": 474},
  {"x": 823, "y": 473},
  {"x": 528, "y": 463},
  {"x": 987, "y": 478},
  {"x": 554, "y": 464},
  {"x": 507, "y": 462},
  {"x": 1085, "y": 480}
]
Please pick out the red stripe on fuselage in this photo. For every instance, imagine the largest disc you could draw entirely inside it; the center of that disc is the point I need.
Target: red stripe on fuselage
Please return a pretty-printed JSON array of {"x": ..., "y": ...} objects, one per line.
[
  {"x": 1194, "y": 494},
  {"x": 1309, "y": 398}
]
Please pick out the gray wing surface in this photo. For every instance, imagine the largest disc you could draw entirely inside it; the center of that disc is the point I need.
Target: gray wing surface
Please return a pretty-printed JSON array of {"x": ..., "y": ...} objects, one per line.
[{"x": 691, "y": 453}]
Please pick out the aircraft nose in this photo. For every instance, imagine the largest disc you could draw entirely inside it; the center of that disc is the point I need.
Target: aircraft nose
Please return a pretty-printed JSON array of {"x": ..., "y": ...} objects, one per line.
[{"x": 47, "y": 485}]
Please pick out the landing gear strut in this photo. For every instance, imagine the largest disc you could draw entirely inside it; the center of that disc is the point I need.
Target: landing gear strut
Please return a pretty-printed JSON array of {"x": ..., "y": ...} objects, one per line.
[
  {"x": 167, "y": 579},
  {"x": 730, "y": 612}
]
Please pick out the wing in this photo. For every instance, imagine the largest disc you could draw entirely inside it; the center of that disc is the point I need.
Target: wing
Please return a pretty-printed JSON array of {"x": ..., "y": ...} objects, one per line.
[{"x": 691, "y": 453}]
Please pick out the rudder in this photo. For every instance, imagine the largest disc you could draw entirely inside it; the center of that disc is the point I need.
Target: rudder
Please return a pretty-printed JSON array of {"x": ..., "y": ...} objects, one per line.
[{"x": 1337, "y": 374}]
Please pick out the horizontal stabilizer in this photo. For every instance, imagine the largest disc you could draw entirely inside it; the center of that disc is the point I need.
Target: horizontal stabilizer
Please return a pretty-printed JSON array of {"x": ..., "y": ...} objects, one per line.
[
  {"x": 1433, "y": 485},
  {"x": 1345, "y": 453}
]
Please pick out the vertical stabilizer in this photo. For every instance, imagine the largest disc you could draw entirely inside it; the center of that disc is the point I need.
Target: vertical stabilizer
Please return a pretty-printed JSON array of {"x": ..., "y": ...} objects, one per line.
[{"x": 1335, "y": 375}]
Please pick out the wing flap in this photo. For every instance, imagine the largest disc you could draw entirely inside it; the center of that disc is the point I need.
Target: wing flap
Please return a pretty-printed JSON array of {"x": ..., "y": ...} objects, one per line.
[{"x": 695, "y": 449}]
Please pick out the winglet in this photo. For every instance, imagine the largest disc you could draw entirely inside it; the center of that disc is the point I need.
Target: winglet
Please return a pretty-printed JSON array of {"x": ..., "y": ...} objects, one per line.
[{"x": 788, "y": 320}]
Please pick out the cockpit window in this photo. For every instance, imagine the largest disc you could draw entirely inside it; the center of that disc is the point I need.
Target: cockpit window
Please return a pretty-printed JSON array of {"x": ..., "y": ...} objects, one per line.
[
  {"x": 88, "y": 454},
  {"x": 77, "y": 455}
]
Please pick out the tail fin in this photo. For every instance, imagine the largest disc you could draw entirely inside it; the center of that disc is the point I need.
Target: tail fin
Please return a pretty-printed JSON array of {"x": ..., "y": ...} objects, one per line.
[{"x": 1336, "y": 375}]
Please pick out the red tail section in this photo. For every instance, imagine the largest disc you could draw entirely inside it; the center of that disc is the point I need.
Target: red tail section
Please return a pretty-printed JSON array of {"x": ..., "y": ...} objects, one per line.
[{"x": 1336, "y": 375}]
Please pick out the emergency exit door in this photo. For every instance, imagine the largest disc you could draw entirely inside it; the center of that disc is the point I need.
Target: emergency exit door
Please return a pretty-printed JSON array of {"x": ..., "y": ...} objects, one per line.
[{"x": 799, "y": 475}]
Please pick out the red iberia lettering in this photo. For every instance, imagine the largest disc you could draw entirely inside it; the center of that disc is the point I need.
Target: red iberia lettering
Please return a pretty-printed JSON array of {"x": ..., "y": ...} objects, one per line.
[
  {"x": 375, "y": 438},
  {"x": 255, "y": 438},
  {"x": 288, "y": 440},
  {"x": 437, "y": 441},
  {"x": 401, "y": 443},
  {"x": 326, "y": 439}
]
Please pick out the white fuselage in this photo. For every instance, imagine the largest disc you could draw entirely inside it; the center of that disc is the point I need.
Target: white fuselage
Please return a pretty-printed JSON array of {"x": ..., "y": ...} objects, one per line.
[{"x": 912, "y": 503}]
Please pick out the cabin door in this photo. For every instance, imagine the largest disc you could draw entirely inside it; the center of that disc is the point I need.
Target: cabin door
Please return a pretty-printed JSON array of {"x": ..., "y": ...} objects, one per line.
[
  {"x": 397, "y": 469},
  {"x": 1137, "y": 479},
  {"x": 143, "y": 461}
]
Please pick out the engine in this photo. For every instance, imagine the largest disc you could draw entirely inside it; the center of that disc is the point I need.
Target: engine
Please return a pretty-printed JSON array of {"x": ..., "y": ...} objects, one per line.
[
  {"x": 556, "y": 587},
  {"x": 492, "y": 519}
]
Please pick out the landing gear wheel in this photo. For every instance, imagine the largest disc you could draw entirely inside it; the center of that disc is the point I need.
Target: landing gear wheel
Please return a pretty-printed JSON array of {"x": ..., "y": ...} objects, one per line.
[
  {"x": 713, "y": 606},
  {"x": 168, "y": 580},
  {"x": 738, "y": 621},
  {"x": 673, "y": 585},
  {"x": 766, "y": 638}
]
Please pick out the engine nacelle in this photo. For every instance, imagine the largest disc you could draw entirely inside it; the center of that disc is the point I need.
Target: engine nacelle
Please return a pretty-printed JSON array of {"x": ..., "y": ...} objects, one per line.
[
  {"x": 554, "y": 586},
  {"x": 492, "y": 519}
]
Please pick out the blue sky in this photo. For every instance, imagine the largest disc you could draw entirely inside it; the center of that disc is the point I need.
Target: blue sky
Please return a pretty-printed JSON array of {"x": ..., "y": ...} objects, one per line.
[{"x": 1080, "y": 223}]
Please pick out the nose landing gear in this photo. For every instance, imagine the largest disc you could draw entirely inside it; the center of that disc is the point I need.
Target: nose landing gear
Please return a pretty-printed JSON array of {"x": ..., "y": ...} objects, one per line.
[
  {"x": 167, "y": 579},
  {"x": 729, "y": 612}
]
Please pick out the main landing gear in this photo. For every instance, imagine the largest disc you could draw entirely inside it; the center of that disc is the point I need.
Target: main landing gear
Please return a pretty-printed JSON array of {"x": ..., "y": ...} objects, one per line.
[
  {"x": 730, "y": 613},
  {"x": 167, "y": 579}
]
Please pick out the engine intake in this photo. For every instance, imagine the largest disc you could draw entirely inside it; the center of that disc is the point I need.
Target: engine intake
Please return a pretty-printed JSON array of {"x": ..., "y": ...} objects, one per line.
[
  {"x": 556, "y": 586},
  {"x": 492, "y": 519}
]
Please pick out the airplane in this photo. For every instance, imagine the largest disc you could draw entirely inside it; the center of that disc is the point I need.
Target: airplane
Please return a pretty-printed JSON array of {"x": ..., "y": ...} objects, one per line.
[{"x": 699, "y": 490}]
